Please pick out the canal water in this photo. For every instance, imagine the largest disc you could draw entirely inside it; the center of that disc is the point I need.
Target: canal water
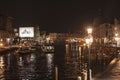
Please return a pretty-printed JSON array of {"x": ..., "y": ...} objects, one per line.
[{"x": 42, "y": 66}]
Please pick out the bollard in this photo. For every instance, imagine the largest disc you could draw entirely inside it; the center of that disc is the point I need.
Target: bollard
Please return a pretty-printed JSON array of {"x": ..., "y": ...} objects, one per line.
[
  {"x": 56, "y": 72},
  {"x": 90, "y": 74},
  {"x": 78, "y": 78},
  {"x": 85, "y": 75}
]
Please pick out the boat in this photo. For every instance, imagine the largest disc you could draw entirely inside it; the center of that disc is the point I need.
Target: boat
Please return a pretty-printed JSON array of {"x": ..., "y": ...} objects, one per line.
[
  {"x": 33, "y": 48},
  {"x": 47, "y": 48},
  {"x": 24, "y": 50}
]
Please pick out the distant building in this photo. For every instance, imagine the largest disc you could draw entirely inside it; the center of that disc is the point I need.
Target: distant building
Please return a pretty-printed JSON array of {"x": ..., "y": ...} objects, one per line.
[
  {"x": 6, "y": 23},
  {"x": 2, "y": 22},
  {"x": 6, "y": 30},
  {"x": 104, "y": 31}
]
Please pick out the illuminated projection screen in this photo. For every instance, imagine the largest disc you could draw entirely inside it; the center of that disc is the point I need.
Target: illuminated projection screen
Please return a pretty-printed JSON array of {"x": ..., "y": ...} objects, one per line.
[{"x": 26, "y": 32}]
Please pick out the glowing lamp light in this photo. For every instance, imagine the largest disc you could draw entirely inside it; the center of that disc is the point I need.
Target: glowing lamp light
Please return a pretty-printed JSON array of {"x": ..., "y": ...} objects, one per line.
[
  {"x": 1, "y": 44},
  {"x": 89, "y": 30},
  {"x": 84, "y": 44},
  {"x": 48, "y": 38},
  {"x": 116, "y": 38},
  {"x": 116, "y": 34},
  {"x": 8, "y": 40},
  {"x": 1, "y": 39},
  {"x": 89, "y": 41}
]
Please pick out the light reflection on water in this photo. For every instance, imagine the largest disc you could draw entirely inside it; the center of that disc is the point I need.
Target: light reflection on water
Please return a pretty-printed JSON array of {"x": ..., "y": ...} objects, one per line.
[
  {"x": 72, "y": 61},
  {"x": 76, "y": 59},
  {"x": 2, "y": 65},
  {"x": 26, "y": 66},
  {"x": 41, "y": 66},
  {"x": 32, "y": 66},
  {"x": 50, "y": 65}
]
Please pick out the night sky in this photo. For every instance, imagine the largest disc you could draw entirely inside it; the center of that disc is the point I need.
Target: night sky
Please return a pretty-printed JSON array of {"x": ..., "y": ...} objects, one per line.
[{"x": 59, "y": 16}]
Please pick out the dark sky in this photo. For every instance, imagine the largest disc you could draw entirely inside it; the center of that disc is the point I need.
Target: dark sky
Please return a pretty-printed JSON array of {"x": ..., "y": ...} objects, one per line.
[{"x": 59, "y": 16}]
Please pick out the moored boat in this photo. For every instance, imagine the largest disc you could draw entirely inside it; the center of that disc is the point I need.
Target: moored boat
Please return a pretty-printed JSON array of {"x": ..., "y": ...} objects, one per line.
[
  {"x": 23, "y": 50},
  {"x": 48, "y": 48}
]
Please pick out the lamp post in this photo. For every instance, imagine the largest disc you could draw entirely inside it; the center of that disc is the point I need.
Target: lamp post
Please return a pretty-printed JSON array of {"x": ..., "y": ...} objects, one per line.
[
  {"x": 89, "y": 41},
  {"x": 116, "y": 39}
]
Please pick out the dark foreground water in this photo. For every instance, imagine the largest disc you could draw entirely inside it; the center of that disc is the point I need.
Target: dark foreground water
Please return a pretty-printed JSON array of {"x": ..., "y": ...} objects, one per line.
[{"x": 41, "y": 66}]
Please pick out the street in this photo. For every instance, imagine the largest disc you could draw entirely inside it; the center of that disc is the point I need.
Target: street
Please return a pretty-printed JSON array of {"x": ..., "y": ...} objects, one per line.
[{"x": 111, "y": 73}]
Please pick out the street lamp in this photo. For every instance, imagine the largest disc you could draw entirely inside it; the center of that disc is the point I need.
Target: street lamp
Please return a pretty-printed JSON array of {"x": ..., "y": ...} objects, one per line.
[
  {"x": 89, "y": 30},
  {"x": 116, "y": 39},
  {"x": 89, "y": 41}
]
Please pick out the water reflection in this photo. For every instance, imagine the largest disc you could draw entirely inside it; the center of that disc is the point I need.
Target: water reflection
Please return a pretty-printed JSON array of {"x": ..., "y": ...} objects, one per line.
[
  {"x": 26, "y": 66},
  {"x": 2, "y": 65},
  {"x": 32, "y": 66},
  {"x": 70, "y": 59},
  {"x": 2, "y": 62},
  {"x": 20, "y": 61},
  {"x": 76, "y": 59},
  {"x": 11, "y": 69},
  {"x": 72, "y": 63},
  {"x": 50, "y": 65}
]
